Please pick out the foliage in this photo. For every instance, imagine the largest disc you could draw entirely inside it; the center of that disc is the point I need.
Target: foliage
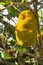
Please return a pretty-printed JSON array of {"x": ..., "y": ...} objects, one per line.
[{"x": 12, "y": 11}]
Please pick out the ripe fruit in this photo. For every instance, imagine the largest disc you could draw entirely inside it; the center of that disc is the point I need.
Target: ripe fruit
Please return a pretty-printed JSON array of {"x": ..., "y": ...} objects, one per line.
[{"x": 25, "y": 29}]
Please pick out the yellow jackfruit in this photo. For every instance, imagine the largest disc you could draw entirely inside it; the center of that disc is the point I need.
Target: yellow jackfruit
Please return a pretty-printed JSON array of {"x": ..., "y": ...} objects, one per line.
[{"x": 25, "y": 29}]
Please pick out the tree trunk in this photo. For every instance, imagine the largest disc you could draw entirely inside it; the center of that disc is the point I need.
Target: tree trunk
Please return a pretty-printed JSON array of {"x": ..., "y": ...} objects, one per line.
[{"x": 40, "y": 60}]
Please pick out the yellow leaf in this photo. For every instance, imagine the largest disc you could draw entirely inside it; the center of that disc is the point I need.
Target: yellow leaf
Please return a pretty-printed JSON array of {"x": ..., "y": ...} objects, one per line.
[{"x": 22, "y": 1}]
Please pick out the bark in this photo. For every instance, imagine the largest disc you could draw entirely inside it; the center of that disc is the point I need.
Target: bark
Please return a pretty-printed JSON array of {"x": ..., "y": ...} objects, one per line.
[{"x": 40, "y": 59}]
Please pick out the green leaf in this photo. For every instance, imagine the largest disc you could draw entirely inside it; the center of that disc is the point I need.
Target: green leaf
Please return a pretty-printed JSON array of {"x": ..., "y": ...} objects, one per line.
[
  {"x": 13, "y": 42},
  {"x": 2, "y": 3},
  {"x": 40, "y": 14},
  {"x": 20, "y": 48},
  {"x": 12, "y": 11},
  {"x": 10, "y": 29},
  {"x": 5, "y": 56}
]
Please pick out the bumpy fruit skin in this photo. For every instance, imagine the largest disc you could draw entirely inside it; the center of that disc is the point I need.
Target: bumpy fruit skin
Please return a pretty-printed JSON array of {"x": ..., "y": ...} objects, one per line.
[{"x": 25, "y": 29}]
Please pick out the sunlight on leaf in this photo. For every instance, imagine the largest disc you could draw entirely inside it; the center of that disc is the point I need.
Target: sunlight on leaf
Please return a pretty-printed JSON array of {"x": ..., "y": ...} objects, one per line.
[
  {"x": 40, "y": 14},
  {"x": 2, "y": 3},
  {"x": 5, "y": 56}
]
